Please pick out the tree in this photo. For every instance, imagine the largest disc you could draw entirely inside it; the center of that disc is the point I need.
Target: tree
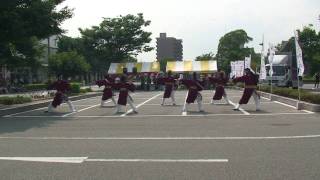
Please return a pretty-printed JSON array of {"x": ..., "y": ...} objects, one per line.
[
  {"x": 23, "y": 22},
  {"x": 231, "y": 48},
  {"x": 205, "y": 57},
  {"x": 68, "y": 64},
  {"x": 67, "y": 44},
  {"x": 116, "y": 40},
  {"x": 309, "y": 41}
]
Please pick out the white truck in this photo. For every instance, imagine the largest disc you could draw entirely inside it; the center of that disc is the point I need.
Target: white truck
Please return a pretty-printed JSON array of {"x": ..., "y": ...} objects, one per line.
[{"x": 284, "y": 71}]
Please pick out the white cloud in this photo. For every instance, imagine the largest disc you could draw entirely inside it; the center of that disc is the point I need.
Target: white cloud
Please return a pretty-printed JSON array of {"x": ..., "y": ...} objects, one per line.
[{"x": 201, "y": 23}]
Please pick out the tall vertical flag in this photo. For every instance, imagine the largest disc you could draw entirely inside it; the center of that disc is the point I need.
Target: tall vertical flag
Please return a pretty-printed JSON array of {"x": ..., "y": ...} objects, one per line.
[
  {"x": 300, "y": 65},
  {"x": 263, "y": 71},
  {"x": 272, "y": 52},
  {"x": 247, "y": 62}
]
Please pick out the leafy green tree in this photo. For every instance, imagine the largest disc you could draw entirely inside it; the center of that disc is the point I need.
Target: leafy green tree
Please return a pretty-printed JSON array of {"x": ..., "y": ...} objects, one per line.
[
  {"x": 67, "y": 44},
  {"x": 23, "y": 22},
  {"x": 231, "y": 48},
  {"x": 205, "y": 57},
  {"x": 68, "y": 64},
  {"x": 116, "y": 40},
  {"x": 309, "y": 41}
]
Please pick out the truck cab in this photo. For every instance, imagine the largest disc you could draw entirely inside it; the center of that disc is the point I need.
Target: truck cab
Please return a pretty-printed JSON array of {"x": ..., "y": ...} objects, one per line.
[
  {"x": 284, "y": 71},
  {"x": 281, "y": 71}
]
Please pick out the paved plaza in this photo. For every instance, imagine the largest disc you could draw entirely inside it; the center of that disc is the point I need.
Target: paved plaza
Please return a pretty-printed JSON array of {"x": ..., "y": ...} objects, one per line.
[{"x": 160, "y": 142}]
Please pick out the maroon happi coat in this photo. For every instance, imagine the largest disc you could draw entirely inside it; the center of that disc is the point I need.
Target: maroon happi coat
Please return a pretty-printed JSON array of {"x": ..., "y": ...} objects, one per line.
[
  {"x": 107, "y": 92},
  {"x": 220, "y": 83},
  {"x": 124, "y": 89},
  {"x": 250, "y": 82},
  {"x": 194, "y": 88},
  {"x": 169, "y": 83},
  {"x": 62, "y": 87}
]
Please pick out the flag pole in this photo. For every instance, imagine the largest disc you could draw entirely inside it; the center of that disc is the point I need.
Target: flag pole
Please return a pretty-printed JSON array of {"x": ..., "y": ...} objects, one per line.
[
  {"x": 299, "y": 92},
  {"x": 271, "y": 67},
  {"x": 262, "y": 51}
]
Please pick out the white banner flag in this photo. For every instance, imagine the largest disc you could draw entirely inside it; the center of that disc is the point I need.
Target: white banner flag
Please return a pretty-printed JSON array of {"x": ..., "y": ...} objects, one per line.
[
  {"x": 239, "y": 68},
  {"x": 300, "y": 64},
  {"x": 247, "y": 62},
  {"x": 233, "y": 73},
  {"x": 272, "y": 52},
  {"x": 263, "y": 71}
]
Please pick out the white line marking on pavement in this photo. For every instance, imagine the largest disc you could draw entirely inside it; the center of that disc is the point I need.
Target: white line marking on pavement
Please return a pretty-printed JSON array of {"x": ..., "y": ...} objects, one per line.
[
  {"x": 10, "y": 115},
  {"x": 265, "y": 98},
  {"x": 43, "y": 108},
  {"x": 155, "y": 96},
  {"x": 162, "y": 160},
  {"x": 208, "y": 103},
  {"x": 173, "y": 115},
  {"x": 163, "y": 138},
  {"x": 240, "y": 109},
  {"x": 47, "y": 159},
  {"x": 78, "y": 160},
  {"x": 309, "y": 112},
  {"x": 82, "y": 110},
  {"x": 293, "y": 107},
  {"x": 184, "y": 110}
]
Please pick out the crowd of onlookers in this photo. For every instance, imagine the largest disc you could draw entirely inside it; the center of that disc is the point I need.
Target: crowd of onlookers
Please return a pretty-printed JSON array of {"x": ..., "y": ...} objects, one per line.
[{"x": 149, "y": 81}]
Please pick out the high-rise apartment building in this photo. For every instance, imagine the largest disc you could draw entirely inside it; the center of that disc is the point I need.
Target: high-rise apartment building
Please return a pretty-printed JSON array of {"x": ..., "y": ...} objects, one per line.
[{"x": 169, "y": 48}]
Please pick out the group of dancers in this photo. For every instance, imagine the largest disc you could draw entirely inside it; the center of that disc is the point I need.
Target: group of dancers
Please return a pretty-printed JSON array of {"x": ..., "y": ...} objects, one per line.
[{"x": 171, "y": 83}]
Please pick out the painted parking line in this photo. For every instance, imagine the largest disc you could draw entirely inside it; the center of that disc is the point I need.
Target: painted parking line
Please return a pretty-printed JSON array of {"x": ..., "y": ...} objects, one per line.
[
  {"x": 131, "y": 110},
  {"x": 165, "y": 138},
  {"x": 240, "y": 109},
  {"x": 82, "y": 109},
  {"x": 178, "y": 115},
  {"x": 42, "y": 108},
  {"x": 79, "y": 160},
  {"x": 293, "y": 107},
  {"x": 161, "y": 160},
  {"x": 203, "y": 104}
]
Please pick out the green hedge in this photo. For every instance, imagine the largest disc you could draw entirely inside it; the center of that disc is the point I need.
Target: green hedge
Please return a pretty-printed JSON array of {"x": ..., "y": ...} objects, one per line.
[
  {"x": 85, "y": 90},
  {"x": 293, "y": 93},
  {"x": 9, "y": 100},
  {"x": 35, "y": 87},
  {"x": 75, "y": 88}
]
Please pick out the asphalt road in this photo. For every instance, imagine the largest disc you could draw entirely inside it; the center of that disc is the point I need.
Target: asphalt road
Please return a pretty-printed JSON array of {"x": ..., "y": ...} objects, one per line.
[{"x": 160, "y": 142}]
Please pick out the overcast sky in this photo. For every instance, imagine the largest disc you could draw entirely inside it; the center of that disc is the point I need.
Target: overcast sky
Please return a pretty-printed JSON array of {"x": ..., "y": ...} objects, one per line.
[{"x": 201, "y": 23}]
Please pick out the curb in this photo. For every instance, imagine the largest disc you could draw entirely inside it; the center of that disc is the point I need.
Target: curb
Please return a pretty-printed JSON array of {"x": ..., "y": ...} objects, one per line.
[
  {"x": 302, "y": 105},
  {"x": 4, "y": 112}
]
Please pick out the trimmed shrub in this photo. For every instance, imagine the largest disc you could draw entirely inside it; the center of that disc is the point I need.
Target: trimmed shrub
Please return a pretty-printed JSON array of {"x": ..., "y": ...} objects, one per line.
[
  {"x": 35, "y": 87},
  {"x": 75, "y": 88},
  {"x": 293, "y": 93},
  {"x": 85, "y": 90},
  {"x": 9, "y": 100}
]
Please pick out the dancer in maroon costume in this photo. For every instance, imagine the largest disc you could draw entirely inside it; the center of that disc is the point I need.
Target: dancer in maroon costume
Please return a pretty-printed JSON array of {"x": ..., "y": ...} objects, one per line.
[
  {"x": 194, "y": 87},
  {"x": 62, "y": 88},
  {"x": 220, "y": 80},
  {"x": 124, "y": 97},
  {"x": 250, "y": 81},
  {"x": 170, "y": 83},
  {"x": 108, "y": 82}
]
